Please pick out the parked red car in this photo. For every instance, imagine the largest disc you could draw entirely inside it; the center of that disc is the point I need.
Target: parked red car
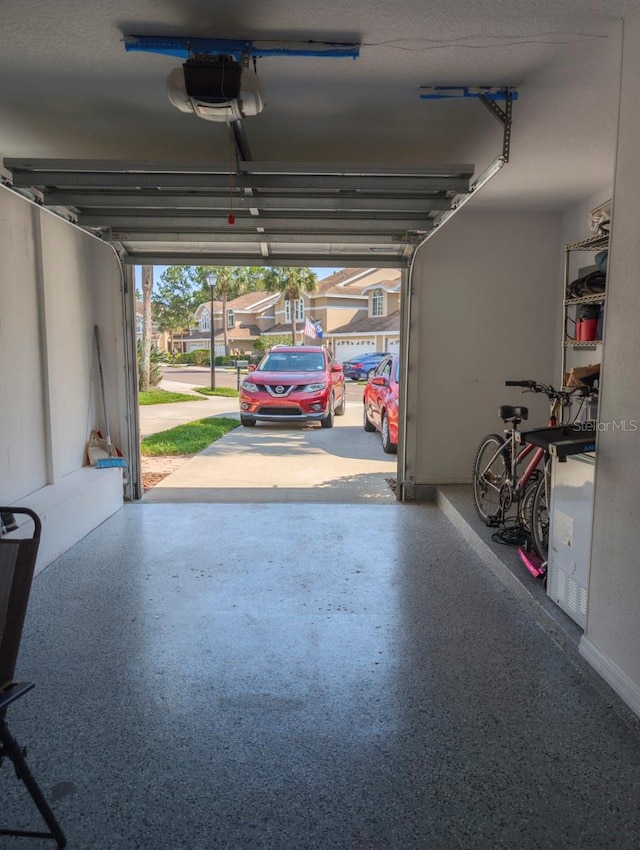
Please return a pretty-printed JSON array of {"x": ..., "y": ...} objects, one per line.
[
  {"x": 293, "y": 384},
  {"x": 381, "y": 403}
]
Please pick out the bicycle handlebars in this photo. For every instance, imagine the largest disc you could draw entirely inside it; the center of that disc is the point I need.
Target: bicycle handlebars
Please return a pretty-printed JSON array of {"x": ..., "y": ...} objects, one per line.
[{"x": 548, "y": 390}]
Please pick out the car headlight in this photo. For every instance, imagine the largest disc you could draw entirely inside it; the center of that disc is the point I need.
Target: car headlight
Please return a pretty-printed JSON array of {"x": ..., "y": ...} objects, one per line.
[
  {"x": 249, "y": 386},
  {"x": 312, "y": 388}
]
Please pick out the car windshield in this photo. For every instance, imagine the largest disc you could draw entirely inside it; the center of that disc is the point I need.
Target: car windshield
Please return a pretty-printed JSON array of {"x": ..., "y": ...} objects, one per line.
[{"x": 293, "y": 361}]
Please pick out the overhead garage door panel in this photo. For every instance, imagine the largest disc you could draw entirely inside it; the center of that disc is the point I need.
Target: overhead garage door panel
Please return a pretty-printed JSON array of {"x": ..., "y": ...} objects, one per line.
[{"x": 258, "y": 213}]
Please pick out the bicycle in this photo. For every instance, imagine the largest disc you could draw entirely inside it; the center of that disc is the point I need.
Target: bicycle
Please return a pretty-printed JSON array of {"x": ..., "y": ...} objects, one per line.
[{"x": 498, "y": 484}]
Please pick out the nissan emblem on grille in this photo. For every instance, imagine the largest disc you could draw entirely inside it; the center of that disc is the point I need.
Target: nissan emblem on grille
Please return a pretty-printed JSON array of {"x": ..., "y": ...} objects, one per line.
[{"x": 280, "y": 390}]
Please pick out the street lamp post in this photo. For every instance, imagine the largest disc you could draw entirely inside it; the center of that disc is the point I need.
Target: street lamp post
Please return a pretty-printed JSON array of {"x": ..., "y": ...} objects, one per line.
[{"x": 211, "y": 280}]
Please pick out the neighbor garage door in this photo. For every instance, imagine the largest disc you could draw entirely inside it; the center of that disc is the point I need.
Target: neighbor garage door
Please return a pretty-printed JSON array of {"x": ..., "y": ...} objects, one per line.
[{"x": 348, "y": 350}]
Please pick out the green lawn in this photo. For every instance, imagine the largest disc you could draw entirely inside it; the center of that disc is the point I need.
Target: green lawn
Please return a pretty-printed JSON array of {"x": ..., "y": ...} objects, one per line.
[
  {"x": 223, "y": 391},
  {"x": 164, "y": 397},
  {"x": 187, "y": 439}
]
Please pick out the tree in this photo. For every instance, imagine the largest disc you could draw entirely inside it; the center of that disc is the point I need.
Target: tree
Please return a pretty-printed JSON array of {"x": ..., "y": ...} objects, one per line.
[
  {"x": 183, "y": 288},
  {"x": 291, "y": 282},
  {"x": 155, "y": 372},
  {"x": 267, "y": 341},
  {"x": 231, "y": 281},
  {"x": 145, "y": 358},
  {"x": 175, "y": 301}
]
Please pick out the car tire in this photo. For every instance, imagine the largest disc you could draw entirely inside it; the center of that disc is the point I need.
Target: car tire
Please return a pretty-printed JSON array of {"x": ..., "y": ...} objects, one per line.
[
  {"x": 327, "y": 422},
  {"x": 387, "y": 446},
  {"x": 366, "y": 423},
  {"x": 340, "y": 409},
  {"x": 247, "y": 421}
]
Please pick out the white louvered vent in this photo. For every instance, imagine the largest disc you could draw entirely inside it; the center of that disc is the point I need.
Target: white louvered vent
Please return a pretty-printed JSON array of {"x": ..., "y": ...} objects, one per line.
[
  {"x": 583, "y": 601},
  {"x": 571, "y": 596},
  {"x": 561, "y": 587}
]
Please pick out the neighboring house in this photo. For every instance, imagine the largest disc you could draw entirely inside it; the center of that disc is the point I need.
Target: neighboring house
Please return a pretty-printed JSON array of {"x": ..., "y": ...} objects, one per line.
[
  {"x": 358, "y": 310},
  {"x": 362, "y": 311},
  {"x": 340, "y": 304},
  {"x": 246, "y": 318}
]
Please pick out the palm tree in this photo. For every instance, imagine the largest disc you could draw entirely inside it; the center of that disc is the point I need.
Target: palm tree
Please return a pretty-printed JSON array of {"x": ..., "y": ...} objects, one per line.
[
  {"x": 291, "y": 282},
  {"x": 147, "y": 289}
]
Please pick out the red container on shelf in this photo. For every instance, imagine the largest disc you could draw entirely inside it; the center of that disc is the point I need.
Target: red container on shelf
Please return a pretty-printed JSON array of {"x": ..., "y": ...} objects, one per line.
[{"x": 586, "y": 330}]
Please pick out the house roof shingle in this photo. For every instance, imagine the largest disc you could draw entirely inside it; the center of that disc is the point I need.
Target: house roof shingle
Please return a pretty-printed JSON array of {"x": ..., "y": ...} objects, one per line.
[
  {"x": 355, "y": 281},
  {"x": 283, "y": 328},
  {"x": 217, "y": 307},
  {"x": 244, "y": 303},
  {"x": 244, "y": 332},
  {"x": 241, "y": 331},
  {"x": 370, "y": 324},
  {"x": 253, "y": 300}
]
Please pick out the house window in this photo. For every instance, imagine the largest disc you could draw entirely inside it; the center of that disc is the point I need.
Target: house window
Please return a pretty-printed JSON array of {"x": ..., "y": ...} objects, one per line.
[
  {"x": 204, "y": 320},
  {"x": 139, "y": 323},
  {"x": 377, "y": 302},
  {"x": 230, "y": 319},
  {"x": 299, "y": 310}
]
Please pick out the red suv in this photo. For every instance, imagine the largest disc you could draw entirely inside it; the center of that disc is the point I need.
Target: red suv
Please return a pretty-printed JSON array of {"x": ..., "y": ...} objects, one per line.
[{"x": 293, "y": 384}]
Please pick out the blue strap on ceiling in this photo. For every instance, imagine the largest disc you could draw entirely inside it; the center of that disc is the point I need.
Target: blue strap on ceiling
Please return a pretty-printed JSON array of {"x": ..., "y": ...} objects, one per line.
[
  {"x": 185, "y": 48},
  {"x": 487, "y": 92}
]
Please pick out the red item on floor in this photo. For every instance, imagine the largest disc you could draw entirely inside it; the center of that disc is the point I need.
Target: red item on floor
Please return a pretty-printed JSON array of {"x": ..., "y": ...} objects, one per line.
[{"x": 532, "y": 562}]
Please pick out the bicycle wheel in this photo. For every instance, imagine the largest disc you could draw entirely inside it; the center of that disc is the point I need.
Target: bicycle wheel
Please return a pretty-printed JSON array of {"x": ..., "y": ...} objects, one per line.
[
  {"x": 490, "y": 471},
  {"x": 526, "y": 502},
  {"x": 540, "y": 515}
]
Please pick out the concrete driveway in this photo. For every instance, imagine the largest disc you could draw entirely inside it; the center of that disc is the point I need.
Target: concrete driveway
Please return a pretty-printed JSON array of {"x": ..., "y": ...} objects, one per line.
[{"x": 274, "y": 462}]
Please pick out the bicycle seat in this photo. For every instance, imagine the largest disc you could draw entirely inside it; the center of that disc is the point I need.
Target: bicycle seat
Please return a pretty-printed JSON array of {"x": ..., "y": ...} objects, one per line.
[{"x": 508, "y": 413}]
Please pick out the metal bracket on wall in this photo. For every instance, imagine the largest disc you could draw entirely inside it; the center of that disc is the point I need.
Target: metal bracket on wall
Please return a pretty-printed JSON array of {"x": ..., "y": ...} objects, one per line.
[
  {"x": 488, "y": 95},
  {"x": 503, "y": 116}
]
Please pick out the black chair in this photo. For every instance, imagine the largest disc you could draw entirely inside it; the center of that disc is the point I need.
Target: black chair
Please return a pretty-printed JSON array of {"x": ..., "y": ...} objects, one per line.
[{"x": 17, "y": 562}]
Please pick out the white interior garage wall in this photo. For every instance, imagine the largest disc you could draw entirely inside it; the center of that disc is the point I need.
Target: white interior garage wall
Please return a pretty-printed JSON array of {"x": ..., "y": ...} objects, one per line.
[
  {"x": 56, "y": 282},
  {"x": 23, "y": 456},
  {"x": 612, "y": 636},
  {"x": 485, "y": 301}
]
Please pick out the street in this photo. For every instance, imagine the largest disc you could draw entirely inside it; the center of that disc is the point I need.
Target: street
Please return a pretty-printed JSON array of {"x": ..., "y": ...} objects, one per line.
[{"x": 200, "y": 376}]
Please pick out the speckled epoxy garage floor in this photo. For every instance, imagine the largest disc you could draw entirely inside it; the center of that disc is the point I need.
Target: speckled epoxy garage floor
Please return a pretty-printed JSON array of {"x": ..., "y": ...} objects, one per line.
[{"x": 306, "y": 676}]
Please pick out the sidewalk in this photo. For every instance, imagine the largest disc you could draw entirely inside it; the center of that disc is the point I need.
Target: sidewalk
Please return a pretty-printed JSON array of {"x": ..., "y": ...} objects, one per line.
[{"x": 161, "y": 417}]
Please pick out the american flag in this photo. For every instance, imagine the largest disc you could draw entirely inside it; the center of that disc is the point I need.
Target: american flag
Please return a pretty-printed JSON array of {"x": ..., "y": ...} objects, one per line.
[{"x": 310, "y": 329}]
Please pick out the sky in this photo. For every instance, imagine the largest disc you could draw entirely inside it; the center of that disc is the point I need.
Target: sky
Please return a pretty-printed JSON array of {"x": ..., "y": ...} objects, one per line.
[{"x": 158, "y": 270}]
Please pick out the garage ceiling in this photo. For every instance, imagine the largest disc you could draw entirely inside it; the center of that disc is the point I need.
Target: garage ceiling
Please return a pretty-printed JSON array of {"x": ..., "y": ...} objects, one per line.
[{"x": 89, "y": 126}]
